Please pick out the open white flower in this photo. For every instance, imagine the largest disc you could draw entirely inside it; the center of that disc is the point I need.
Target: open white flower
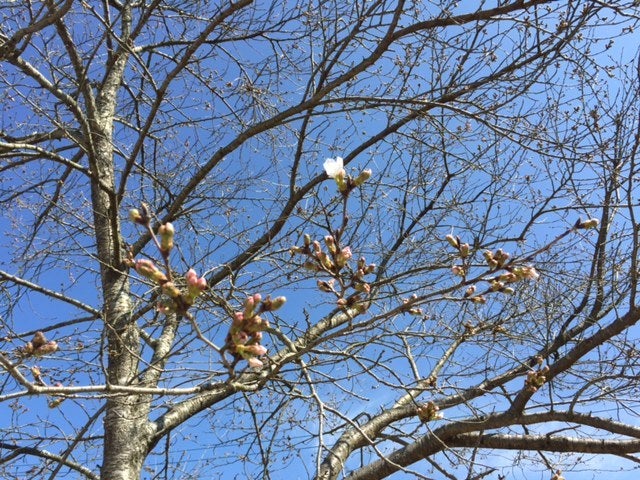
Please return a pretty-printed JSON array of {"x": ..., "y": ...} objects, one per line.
[{"x": 334, "y": 167}]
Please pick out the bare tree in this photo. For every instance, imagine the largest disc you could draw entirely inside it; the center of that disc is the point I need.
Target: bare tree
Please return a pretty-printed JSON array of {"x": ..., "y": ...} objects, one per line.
[{"x": 461, "y": 273}]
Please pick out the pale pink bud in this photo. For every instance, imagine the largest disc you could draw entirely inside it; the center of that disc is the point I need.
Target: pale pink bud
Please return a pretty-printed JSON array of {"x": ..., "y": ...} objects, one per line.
[
  {"x": 191, "y": 276},
  {"x": 458, "y": 270},
  {"x": 238, "y": 319},
  {"x": 249, "y": 307},
  {"x": 470, "y": 291},
  {"x": 343, "y": 256},
  {"x": 148, "y": 269},
  {"x": 464, "y": 250}
]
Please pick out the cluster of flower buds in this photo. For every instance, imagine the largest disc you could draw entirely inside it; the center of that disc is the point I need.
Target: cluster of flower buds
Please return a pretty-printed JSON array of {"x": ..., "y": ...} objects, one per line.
[
  {"x": 245, "y": 333},
  {"x": 38, "y": 346},
  {"x": 557, "y": 475},
  {"x": 332, "y": 262},
  {"x": 536, "y": 379},
  {"x": 463, "y": 248},
  {"x": 408, "y": 306},
  {"x": 428, "y": 411},
  {"x": 498, "y": 260},
  {"x": 334, "y": 168},
  {"x": 177, "y": 298}
]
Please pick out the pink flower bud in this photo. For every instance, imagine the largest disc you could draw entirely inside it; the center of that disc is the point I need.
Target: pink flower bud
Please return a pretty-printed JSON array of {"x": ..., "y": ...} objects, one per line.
[
  {"x": 238, "y": 319},
  {"x": 464, "y": 250},
  {"x": 148, "y": 269},
  {"x": 343, "y": 256},
  {"x": 458, "y": 270}
]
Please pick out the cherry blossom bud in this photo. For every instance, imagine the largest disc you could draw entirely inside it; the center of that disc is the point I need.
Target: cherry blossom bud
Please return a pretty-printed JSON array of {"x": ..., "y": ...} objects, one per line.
[
  {"x": 238, "y": 319},
  {"x": 508, "y": 291},
  {"x": 362, "y": 287},
  {"x": 334, "y": 169},
  {"x": 488, "y": 256},
  {"x": 496, "y": 286},
  {"x": 480, "y": 299},
  {"x": 148, "y": 269},
  {"x": 508, "y": 277},
  {"x": 343, "y": 256},
  {"x": 501, "y": 257},
  {"x": 278, "y": 302},
  {"x": 307, "y": 239},
  {"x": 331, "y": 244},
  {"x": 458, "y": 270},
  {"x": 526, "y": 273},
  {"x": 363, "y": 177},
  {"x": 195, "y": 285},
  {"x": 470, "y": 291},
  {"x": 249, "y": 307},
  {"x": 170, "y": 289},
  {"x": 326, "y": 261},
  {"x": 166, "y": 233},
  {"x": 45, "y": 349},
  {"x": 370, "y": 268},
  {"x": 136, "y": 217},
  {"x": 464, "y": 250},
  {"x": 325, "y": 286},
  {"x": 453, "y": 241},
  {"x": 38, "y": 339}
]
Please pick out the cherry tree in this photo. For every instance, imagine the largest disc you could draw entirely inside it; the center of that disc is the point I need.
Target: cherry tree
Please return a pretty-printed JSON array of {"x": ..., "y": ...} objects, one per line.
[{"x": 327, "y": 240}]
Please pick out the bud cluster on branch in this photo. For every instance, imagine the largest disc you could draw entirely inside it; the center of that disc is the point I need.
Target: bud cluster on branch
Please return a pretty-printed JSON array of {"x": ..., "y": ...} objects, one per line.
[
  {"x": 495, "y": 261},
  {"x": 177, "y": 297},
  {"x": 38, "y": 346},
  {"x": 245, "y": 333},
  {"x": 428, "y": 411}
]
